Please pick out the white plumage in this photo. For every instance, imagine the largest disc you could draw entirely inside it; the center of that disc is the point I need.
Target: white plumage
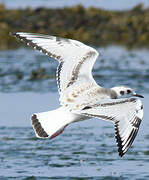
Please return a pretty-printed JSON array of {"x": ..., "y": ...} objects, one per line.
[{"x": 80, "y": 96}]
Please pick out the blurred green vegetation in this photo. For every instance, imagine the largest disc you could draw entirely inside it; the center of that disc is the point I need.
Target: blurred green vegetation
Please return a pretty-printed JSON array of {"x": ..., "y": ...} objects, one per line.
[{"x": 94, "y": 26}]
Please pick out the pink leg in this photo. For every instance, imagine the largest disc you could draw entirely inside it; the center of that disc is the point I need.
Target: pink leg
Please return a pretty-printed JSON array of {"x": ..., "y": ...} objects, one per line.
[{"x": 58, "y": 132}]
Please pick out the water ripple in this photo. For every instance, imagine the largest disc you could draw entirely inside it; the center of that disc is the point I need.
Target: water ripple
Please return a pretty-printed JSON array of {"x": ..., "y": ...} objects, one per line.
[
  {"x": 36, "y": 72},
  {"x": 73, "y": 153}
]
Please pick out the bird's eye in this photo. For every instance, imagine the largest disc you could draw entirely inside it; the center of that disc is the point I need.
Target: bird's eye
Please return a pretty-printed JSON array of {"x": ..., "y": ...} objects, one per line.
[
  {"x": 122, "y": 92},
  {"x": 128, "y": 91}
]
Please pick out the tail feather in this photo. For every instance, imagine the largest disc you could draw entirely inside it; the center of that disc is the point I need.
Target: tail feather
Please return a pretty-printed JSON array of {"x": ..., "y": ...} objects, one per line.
[
  {"x": 38, "y": 127},
  {"x": 51, "y": 123}
]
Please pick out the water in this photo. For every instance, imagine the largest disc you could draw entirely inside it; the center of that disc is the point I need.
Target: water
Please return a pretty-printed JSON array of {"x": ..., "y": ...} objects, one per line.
[
  {"x": 113, "y": 5},
  {"x": 85, "y": 150},
  {"x": 115, "y": 66}
]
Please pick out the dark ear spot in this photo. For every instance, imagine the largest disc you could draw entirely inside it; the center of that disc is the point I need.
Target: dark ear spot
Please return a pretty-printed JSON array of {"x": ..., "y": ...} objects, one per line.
[
  {"x": 122, "y": 92},
  {"x": 128, "y": 91}
]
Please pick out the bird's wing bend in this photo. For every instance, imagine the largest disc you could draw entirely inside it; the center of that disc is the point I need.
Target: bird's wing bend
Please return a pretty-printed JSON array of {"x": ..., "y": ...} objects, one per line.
[
  {"x": 75, "y": 58},
  {"x": 125, "y": 113}
]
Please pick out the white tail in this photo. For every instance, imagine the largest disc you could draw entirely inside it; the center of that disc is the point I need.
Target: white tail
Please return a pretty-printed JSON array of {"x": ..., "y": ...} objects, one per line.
[{"x": 51, "y": 123}]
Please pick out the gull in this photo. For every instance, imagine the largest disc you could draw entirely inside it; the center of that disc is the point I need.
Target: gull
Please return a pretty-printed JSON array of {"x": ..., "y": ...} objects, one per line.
[{"x": 81, "y": 97}]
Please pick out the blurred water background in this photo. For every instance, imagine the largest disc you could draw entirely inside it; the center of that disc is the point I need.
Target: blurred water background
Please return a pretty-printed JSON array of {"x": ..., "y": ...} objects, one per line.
[{"x": 86, "y": 150}]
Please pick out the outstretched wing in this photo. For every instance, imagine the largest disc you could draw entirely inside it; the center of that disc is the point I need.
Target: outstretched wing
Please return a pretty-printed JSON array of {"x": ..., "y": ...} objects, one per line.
[
  {"x": 125, "y": 113},
  {"x": 75, "y": 58}
]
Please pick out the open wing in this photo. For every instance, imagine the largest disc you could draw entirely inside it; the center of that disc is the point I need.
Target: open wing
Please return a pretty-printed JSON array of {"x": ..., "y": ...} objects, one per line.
[
  {"x": 125, "y": 113},
  {"x": 75, "y": 58}
]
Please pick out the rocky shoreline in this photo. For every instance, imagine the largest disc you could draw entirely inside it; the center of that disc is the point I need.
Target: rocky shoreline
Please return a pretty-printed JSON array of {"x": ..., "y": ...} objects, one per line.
[{"x": 93, "y": 26}]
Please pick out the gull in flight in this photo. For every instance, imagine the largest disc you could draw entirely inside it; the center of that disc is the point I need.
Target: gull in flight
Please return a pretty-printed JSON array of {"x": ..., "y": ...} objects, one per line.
[{"x": 81, "y": 97}]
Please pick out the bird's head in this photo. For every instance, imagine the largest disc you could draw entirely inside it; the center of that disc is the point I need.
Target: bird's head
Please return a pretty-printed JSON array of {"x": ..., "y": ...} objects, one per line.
[{"x": 125, "y": 92}]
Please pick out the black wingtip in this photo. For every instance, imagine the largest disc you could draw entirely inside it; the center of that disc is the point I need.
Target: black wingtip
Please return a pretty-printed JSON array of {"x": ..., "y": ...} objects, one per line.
[
  {"x": 12, "y": 34},
  {"x": 118, "y": 140},
  {"x": 123, "y": 147},
  {"x": 121, "y": 153}
]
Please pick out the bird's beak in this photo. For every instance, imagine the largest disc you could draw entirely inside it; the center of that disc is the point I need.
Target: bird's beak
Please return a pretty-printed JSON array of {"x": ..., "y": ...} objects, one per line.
[{"x": 138, "y": 95}]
